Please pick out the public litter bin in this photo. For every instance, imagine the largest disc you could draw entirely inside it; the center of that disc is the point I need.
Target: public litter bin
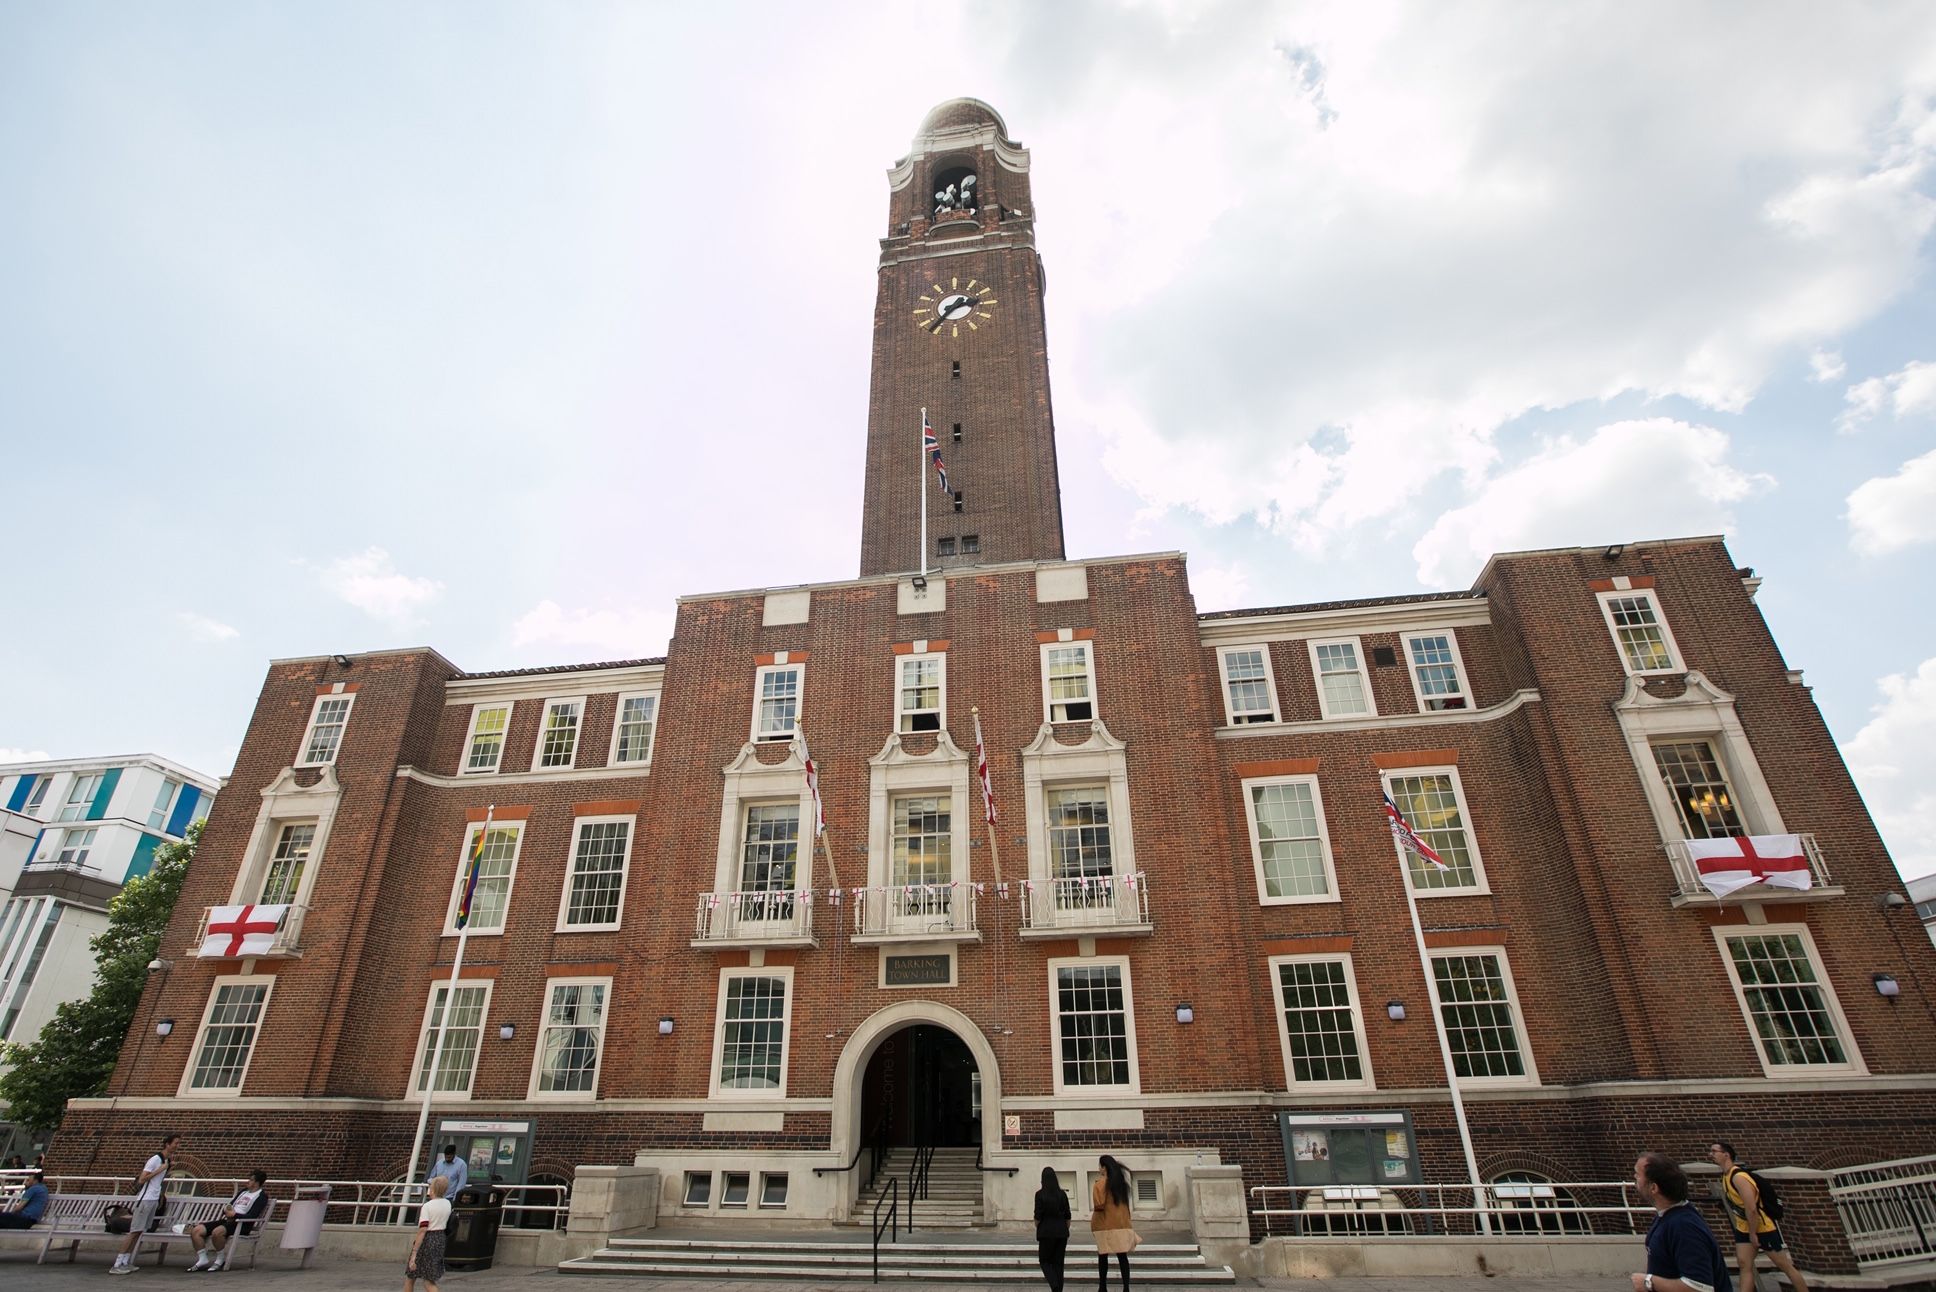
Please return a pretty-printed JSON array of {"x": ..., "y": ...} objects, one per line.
[
  {"x": 471, "y": 1240},
  {"x": 302, "y": 1224}
]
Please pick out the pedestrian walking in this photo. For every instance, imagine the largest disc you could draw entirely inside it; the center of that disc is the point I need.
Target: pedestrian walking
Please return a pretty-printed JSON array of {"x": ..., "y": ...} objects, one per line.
[
  {"x": 427, "y": 1252},
  {"x": 147, "y": 1200},
  {"x": 1051, "y": 1228},
  {"x": 1682, "y": 1255},
  {"x": 1755, "y": 1227},
  {"x": 1109, "y": 1221}
]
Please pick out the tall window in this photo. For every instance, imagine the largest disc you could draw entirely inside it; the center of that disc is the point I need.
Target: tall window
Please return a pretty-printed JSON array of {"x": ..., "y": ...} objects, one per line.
[
  {"x": 228, "y": 1035},
  {"x": 1323, "y": 1032},
  {"x": 574, "y": 1034},
  {"x": 1796, "y": 1020},
  {"x": 598, "y": 855},
  {"x": 1068, "y": 682},
  {"x": 164, "y": 801},
  {"x": 921, "y": 840},
  {"x": 1093, "y": 1037},
  {"x": 638, "y": 716},
  {"x": 1481, "y": 1024},
  {"x": 1287, "y": 839},
  {"x": 1699, "y": 789},
  {"x": 495, "y": 870},
  {"x": 918, "y": 695},
  {"x": 39, "y": 795},
  {"x": 287, "y": 864},
  {"x": 1079, "y": 844},
  {"x": 1250, "y": 692},
  {"x": 1343, "y": 689},
  {"x": 489, "y": 722},
  {"x": 74, "y": 848},
  {"x": 1639, "y": 630},
  {"x": 1431, "y": 802},
  {"x": 1436, "y": 673},
  {"x": 325, "y": 735},
  {"x": 80, "y": 797},
  {"x": 558, "y": 740},
  {"x": 777, "y": 701},
  {"x": 463, "y": 1030},
  {"x": 752, "y": 1033},
  {"x": 770, "y": 848}
]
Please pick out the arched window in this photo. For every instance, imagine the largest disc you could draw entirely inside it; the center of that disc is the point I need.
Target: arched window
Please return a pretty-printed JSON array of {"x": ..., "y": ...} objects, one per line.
[{"x": 1530, "y": 1203}]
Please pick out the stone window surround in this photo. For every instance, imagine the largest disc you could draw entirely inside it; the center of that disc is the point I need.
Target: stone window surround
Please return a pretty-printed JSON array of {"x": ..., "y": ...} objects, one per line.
[
  {"x": 284, "y": 802},
  {"x": 1701, "y": 712},
  {"x": 188, "y": 1091},
  {"x": 1365, "y": 1082},
  {"x": 749, "y": 782},
  {"x": 1048, "y": 764},
  {"x": 895, "y": 773}
]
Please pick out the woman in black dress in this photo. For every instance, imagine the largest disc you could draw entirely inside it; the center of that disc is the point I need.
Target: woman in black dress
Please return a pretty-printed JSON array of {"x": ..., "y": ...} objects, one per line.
[{"x": 1051, "y": 1227}]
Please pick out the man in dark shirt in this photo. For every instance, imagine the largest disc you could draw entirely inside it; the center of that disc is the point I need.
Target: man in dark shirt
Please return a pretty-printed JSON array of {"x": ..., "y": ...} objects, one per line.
[{"x": 1682, "y": 1255}]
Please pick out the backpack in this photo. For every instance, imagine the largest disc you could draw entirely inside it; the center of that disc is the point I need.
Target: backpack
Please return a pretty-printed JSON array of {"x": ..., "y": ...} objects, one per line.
[{"x": 1766, "y": 1191}]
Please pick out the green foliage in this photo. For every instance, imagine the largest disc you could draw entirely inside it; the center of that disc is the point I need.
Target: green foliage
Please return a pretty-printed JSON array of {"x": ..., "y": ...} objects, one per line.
[{"x": 76, "y": 1052}]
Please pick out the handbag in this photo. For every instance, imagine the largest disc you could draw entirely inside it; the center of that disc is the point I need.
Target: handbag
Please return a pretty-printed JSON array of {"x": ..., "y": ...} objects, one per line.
[{"x": 117, "y": 1218}]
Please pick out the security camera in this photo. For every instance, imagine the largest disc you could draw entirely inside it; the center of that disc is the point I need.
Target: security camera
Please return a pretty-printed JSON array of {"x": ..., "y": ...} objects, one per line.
[{"x": 155, "y": 966}]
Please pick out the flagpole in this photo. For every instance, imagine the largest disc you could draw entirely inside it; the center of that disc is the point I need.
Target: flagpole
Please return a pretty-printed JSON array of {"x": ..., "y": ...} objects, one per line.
[
  {"x": 443, "y": 1015},
  {"x": 921, "y": 487},
  {"x": 1445, "y": 1050},
  {"x": 994, "y": 844}
]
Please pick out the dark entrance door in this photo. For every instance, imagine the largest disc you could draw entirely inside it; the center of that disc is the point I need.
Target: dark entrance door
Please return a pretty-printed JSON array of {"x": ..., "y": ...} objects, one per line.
[{"x": 923, "y": 1085}]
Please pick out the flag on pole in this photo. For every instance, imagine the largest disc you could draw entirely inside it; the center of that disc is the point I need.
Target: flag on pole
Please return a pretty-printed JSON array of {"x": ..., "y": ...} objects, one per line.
[
  {"x": 813, "y": 780},
  {"x": 933, "y": 447},
  {"x": 474, "y": 866},
  {"x": 981, "y": 770},
  {"x": 1778, "y": 860},
  {"x": 1407, "y": 837}
]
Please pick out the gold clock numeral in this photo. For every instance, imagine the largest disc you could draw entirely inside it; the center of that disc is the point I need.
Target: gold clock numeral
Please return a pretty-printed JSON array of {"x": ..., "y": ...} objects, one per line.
[
  {"x": 971, "y": 325},
  {"x": 953, "y": 282},
  {"x": 954, "y": 331},
  {"x": 971, "y": 285},
  {"x": 985, "y": 314}
]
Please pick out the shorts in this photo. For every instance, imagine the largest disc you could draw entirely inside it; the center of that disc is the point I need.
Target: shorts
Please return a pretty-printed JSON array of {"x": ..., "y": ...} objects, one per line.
[
  {"x": 144, "y": 1216},
  {"x": 1768, "y": 1241},
  {"x": 224, "y": 1226}
]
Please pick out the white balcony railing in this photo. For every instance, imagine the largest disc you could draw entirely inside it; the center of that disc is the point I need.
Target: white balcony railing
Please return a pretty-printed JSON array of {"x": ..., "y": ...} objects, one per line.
[
  {"x": 287, "y": 940},
  {"x": 754, "y": 916},
  {"x": 1114, "y": 902},
  {"x": 916, "y": 911},
  {"x": 1688, "y": 886}
]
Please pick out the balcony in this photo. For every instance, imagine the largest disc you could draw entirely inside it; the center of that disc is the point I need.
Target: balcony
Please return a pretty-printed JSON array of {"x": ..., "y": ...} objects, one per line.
[
  {"x": 916, "y": 913},
  {"x": 754, "y": 918},
  {"x": 1689, "y": 891},
  {"x": 285, "y": 941},
  {"x": 1112, "y": 905}
]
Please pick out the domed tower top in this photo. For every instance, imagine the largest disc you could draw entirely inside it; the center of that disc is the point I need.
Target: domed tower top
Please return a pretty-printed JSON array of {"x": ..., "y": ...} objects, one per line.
[
  {"x": 956, "y": 114},
  {"x": 963, "y": 171}
]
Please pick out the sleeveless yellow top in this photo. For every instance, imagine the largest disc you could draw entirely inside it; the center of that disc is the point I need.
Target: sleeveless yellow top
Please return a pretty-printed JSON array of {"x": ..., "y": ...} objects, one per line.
[{"x": 1738, "y": 1206}]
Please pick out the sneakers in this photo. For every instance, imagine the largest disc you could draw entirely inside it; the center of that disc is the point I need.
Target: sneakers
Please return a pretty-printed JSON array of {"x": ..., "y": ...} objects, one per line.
[
  {"x": 121, "y": 1269},
  {"x": 202, "y": 1262}
]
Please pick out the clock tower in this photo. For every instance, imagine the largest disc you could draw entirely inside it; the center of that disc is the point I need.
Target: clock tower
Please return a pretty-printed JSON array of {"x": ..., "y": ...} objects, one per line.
[{"x": 959, "y": 330}]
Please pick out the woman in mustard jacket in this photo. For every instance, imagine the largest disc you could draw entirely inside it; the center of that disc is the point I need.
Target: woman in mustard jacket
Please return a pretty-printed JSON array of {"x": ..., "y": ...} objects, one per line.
[{"x": 1109, "y": 1221}]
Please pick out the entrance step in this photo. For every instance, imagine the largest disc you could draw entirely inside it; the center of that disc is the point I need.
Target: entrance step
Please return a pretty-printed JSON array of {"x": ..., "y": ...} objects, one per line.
[
  {"x": 1168, "y": 1264},
  {"x": 953, "y": 1198}
]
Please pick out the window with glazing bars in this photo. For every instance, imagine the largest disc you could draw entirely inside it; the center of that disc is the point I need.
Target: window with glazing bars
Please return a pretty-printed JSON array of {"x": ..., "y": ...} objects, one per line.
[
  {"x": 1478, "y": 1016},
  {"x": 1637, "y": 628},
  {"x": 1079, "y": 842},
  {"x": 598, "y": 872},
  {"x": 461, "y": 1035},
  {"x": 1318, "y": 1021},
  {"x": 326, "y": 729},
  {"x": 80, "y": 796},
  {"x": 1431, "y": 804},
  {"x": 1791, "y": 1014},
  {"x": 920, "y": 693},
  {"x": 284, "y": 878},
  {"x": 1094, "y": 1025},
  {"x": 1699, "y": 789},
  {"x": 779, "y": 702},
  {"x": 573, "y": 1028},
  {"x": 1070, "y": 697},
  {"x": 752, "y": 1044},
  {"x": 229, "y": 1036},
  {"x": 560, "y": 744},
  {"x": 1248, "y": 683},
  {"x": 1435, "y": 668},
  {"x": 487, "y": 739},
  {"x": 637, "y": 716},
  {"x": 1289, "y": 842},
  {"x": 493, "y": 878},
  {"x": 1339, "y": 680}
]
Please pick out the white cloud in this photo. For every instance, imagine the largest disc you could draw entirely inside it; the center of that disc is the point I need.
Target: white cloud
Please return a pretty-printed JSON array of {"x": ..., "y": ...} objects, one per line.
[
  {"x": 372, "y": 584},
  {"x": 204, "y": 629},
  {"x": 610, "y": 632},
  {"x": 1889, "y": 513},
  {"x": 1220, "y": 587},
  {"x": 14, "y": 755},
  {"x": 1891, "y": 757},
  {"x": 1826, "y": 365},
  {"x": 1630, "y": 480},
  {"x": 1908, "y": 391}
]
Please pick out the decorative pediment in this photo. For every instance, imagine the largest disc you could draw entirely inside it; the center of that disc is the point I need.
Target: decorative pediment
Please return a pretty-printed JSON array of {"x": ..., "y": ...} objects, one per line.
[
  {"x": 749, "y": 760},
  {"x": 1699, "y": 692},
  {"x": 285, "y": 785},
  {"x": 1099, "y": 741},
  {"x": 895, "y": 754}
]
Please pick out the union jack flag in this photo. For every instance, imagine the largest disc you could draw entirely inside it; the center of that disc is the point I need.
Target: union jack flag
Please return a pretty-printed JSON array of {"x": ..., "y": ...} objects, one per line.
[
  {"x": 1402, "y": 831},
  {"x": 933, "y": 447}
]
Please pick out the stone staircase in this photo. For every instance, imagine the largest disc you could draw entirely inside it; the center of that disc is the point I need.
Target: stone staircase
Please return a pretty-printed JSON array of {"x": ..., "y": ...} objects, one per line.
[
  {"x": 954, "y": 1197},
  {"x": 835, "y": 1258}
]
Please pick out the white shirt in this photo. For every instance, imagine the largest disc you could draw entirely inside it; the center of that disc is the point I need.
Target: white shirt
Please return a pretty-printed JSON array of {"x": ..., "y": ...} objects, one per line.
[
  {"x": 242, "y": 1201},
  {"x": 151, "y": 1191},
  {"x": 434, "y": 1214}
]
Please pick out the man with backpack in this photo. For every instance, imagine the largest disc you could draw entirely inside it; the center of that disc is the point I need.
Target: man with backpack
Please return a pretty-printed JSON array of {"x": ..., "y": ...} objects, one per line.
[{"x": 1755, "y": 1208}]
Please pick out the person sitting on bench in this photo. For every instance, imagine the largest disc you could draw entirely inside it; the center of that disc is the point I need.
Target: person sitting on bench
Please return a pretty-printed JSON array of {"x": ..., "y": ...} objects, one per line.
[
  {"x": 28, "y": 1208},
  {"x": 245, "y": 1209}
]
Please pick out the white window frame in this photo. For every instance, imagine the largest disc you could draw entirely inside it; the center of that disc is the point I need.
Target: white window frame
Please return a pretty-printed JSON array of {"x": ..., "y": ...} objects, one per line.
[
  {"x": 1531, "y": 1075},
  {"x": 37, "y": 795},
  {"x": 799, "y": 699},
  {"x": 1056, "y": 965},
  {"x": 1365, "y": 1082},
  {"x": 544, "y": 725},
  {"x": 618, "y": 714},
  {"x": 1676, "y": 662},
  {"x": 464, "y": 767},
  {"x": 309, "y": 729},
  {"x": 1701, "y": 712},
  {"x": 285, "y": 803},
  {"x": 571, "y": 869},
  {"x": 1790, "y": 1071},
  {"x": 1480, "y": 886},
  {"x": 189, "y": 1091},
  {"x": 1451, "y": 637},
  {"x": 303, "y": 882},
  {"x": 715, "y": 1089},
  {"x": 164, "y": 803},
  {"x": 1230, "y": 714},
  {"x": 940, "y": 659},
  {"x": 423, "y": 1039},
  {"x": 75, "y": 846},
  {"x": 1364, "y": 677},
  {"x": 85, "y": 804},
  {"x": 1088, "y": 648},
  {"x": 751, "y": 783},
  {"x": 544, "y": 1026},
  {"x": 1257, "y": 844},
  {"x": 471, "y": 829}
]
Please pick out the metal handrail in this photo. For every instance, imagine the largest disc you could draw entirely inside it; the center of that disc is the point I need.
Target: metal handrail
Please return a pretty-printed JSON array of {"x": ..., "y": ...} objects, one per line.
[
  {"x": 871, "y": 1140},
  {"x": 981, "y": 1149},
  {"x": 376, "y": 1203},
  {"x": 1447, "y": 1208},
  {"x": 918, "y": 1179},
  {"x": 893, "y": 1191}
]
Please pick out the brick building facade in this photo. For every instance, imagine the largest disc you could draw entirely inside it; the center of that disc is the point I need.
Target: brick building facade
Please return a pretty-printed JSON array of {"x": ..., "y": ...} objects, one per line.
[{"x": 1185, "y": 939}]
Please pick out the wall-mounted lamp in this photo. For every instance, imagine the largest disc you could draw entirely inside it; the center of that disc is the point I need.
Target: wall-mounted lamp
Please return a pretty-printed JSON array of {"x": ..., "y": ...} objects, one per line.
[
  {"x": 665, "y": 1026},
  {"x": 920, "y": 582},
  {"x": 505, "y": 1031},
  {"x": 1395, "y": 1010},
  {"x": 342, "y": 661},
  {"x": 1891, "y": 902},
  {"x": 1614, "y": 550},
  {"x": 1184, "y": 1014},
  {"x": 1886, "y": 985},
  {"x": 163, "y": 1026}
]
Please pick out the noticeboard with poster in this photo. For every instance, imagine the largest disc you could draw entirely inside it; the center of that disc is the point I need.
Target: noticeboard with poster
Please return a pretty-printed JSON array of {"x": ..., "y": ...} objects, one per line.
[{"x": 1349, "y": 1148}]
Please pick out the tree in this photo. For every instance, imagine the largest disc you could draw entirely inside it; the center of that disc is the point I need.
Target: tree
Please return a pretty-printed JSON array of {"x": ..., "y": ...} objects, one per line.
[{"x": 76, "y": 1052}]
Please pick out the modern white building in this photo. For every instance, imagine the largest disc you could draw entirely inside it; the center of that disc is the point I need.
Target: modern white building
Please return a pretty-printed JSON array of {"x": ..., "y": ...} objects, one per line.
[{"x": 1923, "y": 893}]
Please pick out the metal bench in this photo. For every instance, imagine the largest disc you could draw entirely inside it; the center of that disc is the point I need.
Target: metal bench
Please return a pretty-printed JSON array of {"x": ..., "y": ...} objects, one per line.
[{"x": 75, "y": 1218}]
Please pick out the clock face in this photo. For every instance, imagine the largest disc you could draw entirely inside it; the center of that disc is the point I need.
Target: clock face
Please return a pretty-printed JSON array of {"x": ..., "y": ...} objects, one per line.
[{"x": 954, "y": 307}]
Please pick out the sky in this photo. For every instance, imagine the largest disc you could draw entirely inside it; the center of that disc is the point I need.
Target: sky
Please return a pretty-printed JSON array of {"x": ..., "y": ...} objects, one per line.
[{"x": 488, "y": 326}]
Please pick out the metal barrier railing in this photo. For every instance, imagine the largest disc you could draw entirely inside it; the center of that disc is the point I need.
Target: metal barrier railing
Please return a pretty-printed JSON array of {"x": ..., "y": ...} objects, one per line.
[
  {"x": 1888, "y": 1210},
  {"x": 1520, "y": 1209},
  {"x": 351, "y": 1202}
]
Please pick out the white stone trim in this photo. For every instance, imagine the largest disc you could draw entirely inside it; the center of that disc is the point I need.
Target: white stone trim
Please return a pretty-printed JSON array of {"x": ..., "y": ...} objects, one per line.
[
  {"x": 1389, "y": 722},
  {"x": 1048, "y": 764},
  {"x": 1257, "y": 847},
  {"x": 747, "y": 782},
  {"x": 1783, "y": 1072},
  {"x": 1055, "y": 965},
  {"x": 894, "y": 773},
  {"x": 225, "y": 1093},
  {"x": 538, "y": 1048},
  {"x": 1703, "y": 711},
  {"x": 539, "y": 686},
  {"x": 1345, "y": 621},
  {"x": 284, "y": 802}
]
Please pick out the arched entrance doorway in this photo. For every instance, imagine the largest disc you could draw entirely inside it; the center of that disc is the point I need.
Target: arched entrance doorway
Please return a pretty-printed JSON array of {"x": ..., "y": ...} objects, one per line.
[{"x": 922, "y": 1087}]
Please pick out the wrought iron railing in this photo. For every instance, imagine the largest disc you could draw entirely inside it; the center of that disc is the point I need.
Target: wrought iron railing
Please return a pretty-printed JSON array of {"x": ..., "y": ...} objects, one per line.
[{"x": 1687, "y": 876}]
